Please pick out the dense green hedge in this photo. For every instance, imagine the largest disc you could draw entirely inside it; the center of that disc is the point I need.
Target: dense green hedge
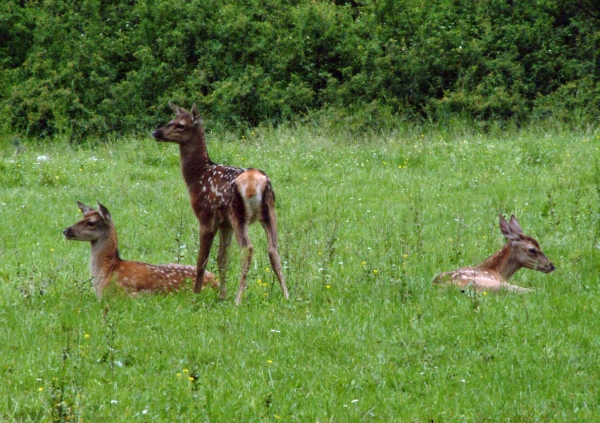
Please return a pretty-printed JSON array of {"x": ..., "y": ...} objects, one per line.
[{"x": 100, "y": 66}]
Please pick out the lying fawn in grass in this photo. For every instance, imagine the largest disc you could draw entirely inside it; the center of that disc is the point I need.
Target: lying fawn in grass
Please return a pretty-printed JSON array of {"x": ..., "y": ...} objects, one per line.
[
  {"x": 224, "y": 198},
  {"x": 493, "y": 274},
  {"x": 106, "y": 265}
]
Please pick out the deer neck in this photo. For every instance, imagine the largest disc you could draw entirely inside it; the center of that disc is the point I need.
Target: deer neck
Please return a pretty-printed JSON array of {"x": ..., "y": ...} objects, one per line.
[
  {"x": 503, "y": 262},
  {"x": 194, "y": 160},
  {"x": 105, "y": 258}
]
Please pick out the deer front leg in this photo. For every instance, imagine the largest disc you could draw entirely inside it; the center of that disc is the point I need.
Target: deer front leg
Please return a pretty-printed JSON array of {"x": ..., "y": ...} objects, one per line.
[
  {"x": 98, "y": 288},
  {"x": 206, "y": 239},
  {"x": 223, "y": 259},
  {"x": 515, "y": 288}
]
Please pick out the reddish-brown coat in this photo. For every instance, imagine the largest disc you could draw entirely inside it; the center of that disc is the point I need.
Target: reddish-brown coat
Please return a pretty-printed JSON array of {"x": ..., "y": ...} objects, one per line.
[
  {"x": 225, "y": 199},
  {"x": 493, "y": 274},
  {"x": 97, "y": 227}
]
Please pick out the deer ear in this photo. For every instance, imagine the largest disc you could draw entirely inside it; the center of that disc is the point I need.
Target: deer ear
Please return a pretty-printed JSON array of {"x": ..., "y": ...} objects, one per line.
[
  {"x": 514, "y": 225},
  {"x": 178, "y": 110},
  {"x": 196, "y": 115},
  {"x": 84, "y": 209},
  {"x": 104, "y": 213},
  {"x": 507, "y": 230}
]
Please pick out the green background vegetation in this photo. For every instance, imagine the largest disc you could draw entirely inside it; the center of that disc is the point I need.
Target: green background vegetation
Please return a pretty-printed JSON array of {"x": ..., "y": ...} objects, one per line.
[{"x": 90, "y": 67}]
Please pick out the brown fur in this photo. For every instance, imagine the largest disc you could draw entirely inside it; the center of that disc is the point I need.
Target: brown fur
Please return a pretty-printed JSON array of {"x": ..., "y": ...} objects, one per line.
[
  {"x": 494, "y": 273},
  {"x": 225, "y": 199},
  {"x": 97, "y": 227}
]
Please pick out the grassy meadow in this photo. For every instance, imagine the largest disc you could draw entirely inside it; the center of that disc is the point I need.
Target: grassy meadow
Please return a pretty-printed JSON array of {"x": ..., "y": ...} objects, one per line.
[{"x": 365, "y": 223}]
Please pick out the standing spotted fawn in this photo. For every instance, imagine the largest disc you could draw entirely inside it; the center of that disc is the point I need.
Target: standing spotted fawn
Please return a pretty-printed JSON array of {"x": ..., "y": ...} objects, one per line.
[
  {"x": 224, "y": 198},
  {"x": 97, "y": 227},
  {"x": 493, "y": 274}
]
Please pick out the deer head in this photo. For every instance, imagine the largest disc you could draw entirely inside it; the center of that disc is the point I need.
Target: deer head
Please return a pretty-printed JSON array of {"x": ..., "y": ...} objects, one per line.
[
  {"x": 185, "y": 127},
  {"x": 525, "y": 250},
  {"x": 95, "y": 224}
]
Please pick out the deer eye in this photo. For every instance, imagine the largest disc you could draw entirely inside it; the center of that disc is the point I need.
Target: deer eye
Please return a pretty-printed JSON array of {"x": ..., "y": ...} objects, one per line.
[
  {"x": 180, "y": 125},
  {"x": 532, "y": 251},
  {"x": 90, "y": 224}
]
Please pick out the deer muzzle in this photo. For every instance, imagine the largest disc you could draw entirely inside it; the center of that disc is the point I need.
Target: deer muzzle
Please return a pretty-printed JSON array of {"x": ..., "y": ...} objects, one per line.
[
  {"x": 549, "y": 268},
  {"x": 68, "y": 233},
  {"x": 158, "y": 134}
]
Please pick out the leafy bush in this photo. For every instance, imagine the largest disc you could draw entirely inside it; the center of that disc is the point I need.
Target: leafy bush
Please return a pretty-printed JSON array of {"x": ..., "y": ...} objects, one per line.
[{"x": 92, "y": 67}]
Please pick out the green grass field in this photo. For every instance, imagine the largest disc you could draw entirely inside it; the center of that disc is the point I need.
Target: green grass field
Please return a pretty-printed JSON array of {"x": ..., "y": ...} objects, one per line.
[{"x": 365, "y": 223}]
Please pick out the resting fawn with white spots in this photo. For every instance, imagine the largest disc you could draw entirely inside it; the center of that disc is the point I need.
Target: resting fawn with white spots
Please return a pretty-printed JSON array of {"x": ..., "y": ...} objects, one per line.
[
  {"x": 224, "y": 198},
  {"x": 494, "y": 273},
  {"x": 97, "y": 227}
]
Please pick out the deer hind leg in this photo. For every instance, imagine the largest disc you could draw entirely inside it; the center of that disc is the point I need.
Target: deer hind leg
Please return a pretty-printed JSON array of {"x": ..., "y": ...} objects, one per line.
[
  {"x": 241, "y": 234},
  {"x": 223, "y": 259},
  {"x": 207, "y": 236},
  {"x": 443, "y": 279},
  {"x": 269, "y": 223}
]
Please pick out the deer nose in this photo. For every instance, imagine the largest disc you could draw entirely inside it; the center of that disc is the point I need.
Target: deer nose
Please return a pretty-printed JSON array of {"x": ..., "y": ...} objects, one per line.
[
  {"x": 551, "y": 268},
  {"x": 67, "y": 231},
  {"x": 157, "y": 134}
]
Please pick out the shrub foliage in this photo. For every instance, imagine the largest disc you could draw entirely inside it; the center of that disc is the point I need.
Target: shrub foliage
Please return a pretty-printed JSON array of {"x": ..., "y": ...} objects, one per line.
[{"x": 92, "y": 67}]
